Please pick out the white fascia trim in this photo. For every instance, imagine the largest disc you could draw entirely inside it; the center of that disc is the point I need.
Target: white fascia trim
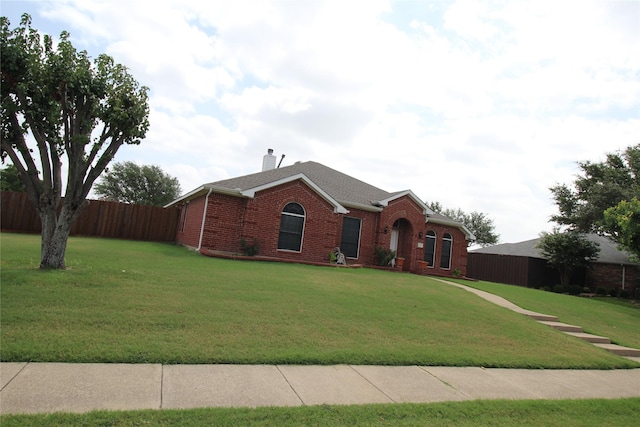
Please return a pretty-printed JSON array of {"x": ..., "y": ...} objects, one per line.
[
  {"x": 468, "y": 234},
  {"x": 425, "y": 209},
  {"x": 190, "y": 195},
  {"x": 201, "y": 191},
  {"x": 337, "y": 207},
  {"x": 370, "y": 208}
]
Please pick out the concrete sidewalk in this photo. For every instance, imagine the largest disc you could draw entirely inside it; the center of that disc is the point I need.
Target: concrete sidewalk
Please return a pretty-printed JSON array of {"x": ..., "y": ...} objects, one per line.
[{"x": 54, "y": 387}]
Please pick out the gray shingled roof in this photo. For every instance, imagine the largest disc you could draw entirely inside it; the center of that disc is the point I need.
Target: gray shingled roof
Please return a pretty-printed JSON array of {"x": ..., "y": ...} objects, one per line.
[
  {"x": 609, "y": 252},
  {"x": 343, "y": 188},
  {"x": 340, "y": 187}
]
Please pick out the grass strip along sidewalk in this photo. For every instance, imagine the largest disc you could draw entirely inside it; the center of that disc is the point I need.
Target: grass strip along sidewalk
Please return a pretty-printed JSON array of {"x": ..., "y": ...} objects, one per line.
[
  {"x": 137, "y": 302},
  {"x": 497, "y": 413}
]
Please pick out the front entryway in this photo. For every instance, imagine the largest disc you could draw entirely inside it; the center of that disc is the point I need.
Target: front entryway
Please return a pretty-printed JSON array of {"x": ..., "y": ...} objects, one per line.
[{"x": 400, "y": 242}]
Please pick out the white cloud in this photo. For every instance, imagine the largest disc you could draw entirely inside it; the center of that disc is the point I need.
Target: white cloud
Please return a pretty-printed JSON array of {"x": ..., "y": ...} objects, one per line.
[{"x": 479, "y": 105}]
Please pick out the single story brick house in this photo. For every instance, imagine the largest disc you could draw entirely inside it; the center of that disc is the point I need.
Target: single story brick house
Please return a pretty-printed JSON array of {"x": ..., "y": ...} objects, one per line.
[
  {"x": 303, "y": 211},
  {"x": 522, "y": 264}
]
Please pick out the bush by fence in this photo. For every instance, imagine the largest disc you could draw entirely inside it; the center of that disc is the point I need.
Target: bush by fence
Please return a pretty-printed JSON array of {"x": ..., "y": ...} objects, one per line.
[{"x": 99, "y": 218}]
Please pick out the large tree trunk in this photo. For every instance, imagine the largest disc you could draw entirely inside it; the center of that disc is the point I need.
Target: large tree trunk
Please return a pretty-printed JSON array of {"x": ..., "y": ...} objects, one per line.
[
  {"x": 53, "y": 250},
  {"x": 55, "y": 233}
]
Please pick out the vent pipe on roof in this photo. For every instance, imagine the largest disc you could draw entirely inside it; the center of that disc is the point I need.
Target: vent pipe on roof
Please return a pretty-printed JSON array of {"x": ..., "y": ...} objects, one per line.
[{"x": 268, "y": 161}]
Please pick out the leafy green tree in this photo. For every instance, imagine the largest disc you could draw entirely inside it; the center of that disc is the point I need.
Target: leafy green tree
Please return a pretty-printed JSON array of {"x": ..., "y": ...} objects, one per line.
[
  {"x": 143, "y": 185},
  {"x": 567, "y": 251},
  {"x": 598, "y": 186},
  {"x": 623, "y": 221},
  {"x": 477, "y": 222},
  {"x": 9, "y": 180},
  {"x": 71, "y": 106}
]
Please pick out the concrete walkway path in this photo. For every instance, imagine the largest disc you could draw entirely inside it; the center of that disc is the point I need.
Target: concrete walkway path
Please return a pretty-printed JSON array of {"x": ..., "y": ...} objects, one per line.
[{"x": 55, "y": 387}]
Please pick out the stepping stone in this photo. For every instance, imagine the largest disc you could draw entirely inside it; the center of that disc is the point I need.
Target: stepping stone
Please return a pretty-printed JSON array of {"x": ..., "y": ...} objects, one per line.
[
  {"x": 564, "y": 327},
  {"x": 590, "y": 337},
  {"x": 620, "y": 350},
  {"x": 540, "y": 316}
]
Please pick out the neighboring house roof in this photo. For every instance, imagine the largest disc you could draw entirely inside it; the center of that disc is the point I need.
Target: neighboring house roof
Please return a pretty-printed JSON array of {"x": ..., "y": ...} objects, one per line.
[
  {"x": 340, "y": 190},
  {"x": 609, "y": 252}
]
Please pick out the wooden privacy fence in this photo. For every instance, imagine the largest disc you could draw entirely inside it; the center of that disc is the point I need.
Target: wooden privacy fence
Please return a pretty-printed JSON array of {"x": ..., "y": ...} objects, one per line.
[
  {"x": 99, "y": 218},
  {"x": 511, "y": 269}
]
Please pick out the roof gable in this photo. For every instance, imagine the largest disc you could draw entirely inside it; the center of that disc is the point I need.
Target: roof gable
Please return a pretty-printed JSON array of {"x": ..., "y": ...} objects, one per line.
[
  {"x": 342, "y": 188},
  {"x": 394, "y": 196},
  {"x": 337, "y": 207}
]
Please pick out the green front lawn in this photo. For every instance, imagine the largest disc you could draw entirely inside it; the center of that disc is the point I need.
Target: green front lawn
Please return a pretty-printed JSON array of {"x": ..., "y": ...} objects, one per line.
[
  {"x": 614, "y": 318},
  {"x": 137, "y": 302}
]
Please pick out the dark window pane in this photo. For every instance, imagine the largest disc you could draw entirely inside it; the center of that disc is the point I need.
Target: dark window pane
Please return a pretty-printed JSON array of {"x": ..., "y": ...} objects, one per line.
[
  {"x": 294, "y": 208},
  {"x": 445, "y": 260},
  {"x": 291, "y": 226},
  {"x": 350, "y": 236},
  {"x": 430, "y": 248}
]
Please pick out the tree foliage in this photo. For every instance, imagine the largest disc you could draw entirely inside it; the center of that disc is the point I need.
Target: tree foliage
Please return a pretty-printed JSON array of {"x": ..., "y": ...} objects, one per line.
[
  {"x": 143, "y": 185},
  {"x": 9, "y": 180},
  {"x": 56, "y": 101},
  {"x": 478, "y": 223},
  {"x": 567, "y": 251},
  {"x": 623, "y": 222},
  {"x": 598, "y": 186}
]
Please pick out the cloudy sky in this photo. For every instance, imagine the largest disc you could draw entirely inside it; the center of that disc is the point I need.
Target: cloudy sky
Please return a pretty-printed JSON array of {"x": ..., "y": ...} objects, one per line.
[{"x": 478, "y": 105}]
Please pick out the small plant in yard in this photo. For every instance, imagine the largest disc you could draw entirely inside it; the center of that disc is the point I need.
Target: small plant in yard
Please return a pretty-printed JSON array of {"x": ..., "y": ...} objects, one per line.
[
  {"x": 384, "y": 256},
  {"x": 249, "y": 247}
]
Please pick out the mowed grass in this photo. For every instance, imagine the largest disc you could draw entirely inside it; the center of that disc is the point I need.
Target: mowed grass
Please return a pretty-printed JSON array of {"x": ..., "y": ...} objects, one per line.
[
  {"x": 562, "y": 413},
  {"x": 139, "y": 302},
  {"x": 614, "y": 318}
]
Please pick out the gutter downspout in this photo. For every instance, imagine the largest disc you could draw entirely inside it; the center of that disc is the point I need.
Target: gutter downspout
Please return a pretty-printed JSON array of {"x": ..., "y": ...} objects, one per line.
[{"x": 204, "y": 215}]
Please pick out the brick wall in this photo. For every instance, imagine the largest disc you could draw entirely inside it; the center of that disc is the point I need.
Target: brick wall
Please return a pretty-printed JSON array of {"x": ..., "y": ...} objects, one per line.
[
  {"x": 190, "y": 223},
  {"x": 611, "y": 275},
  {"x": 321, "y": 227},
  {"x": 229, "y": 219},
  {"x": 368, "y": 235},
  {"x": 223, "y": 223},
  {"x": 411, "y": 221},
  {"x": 458, "y": 251}
]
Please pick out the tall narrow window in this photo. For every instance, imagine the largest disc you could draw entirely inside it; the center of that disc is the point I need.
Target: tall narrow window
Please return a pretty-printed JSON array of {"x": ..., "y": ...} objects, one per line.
[
  {"x": 447, "y": 244},
  {"x": 430, "y": 248},
  {"x": 350, "y": 236},
  {"x": 291, "y": 228}
]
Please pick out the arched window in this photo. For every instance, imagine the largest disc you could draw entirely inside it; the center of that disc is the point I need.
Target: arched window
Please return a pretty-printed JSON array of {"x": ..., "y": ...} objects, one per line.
[
  {"x": 291, "y": 228},
  {"x": 430, "y": 248},
  {"x": 447, "y": 245}
]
